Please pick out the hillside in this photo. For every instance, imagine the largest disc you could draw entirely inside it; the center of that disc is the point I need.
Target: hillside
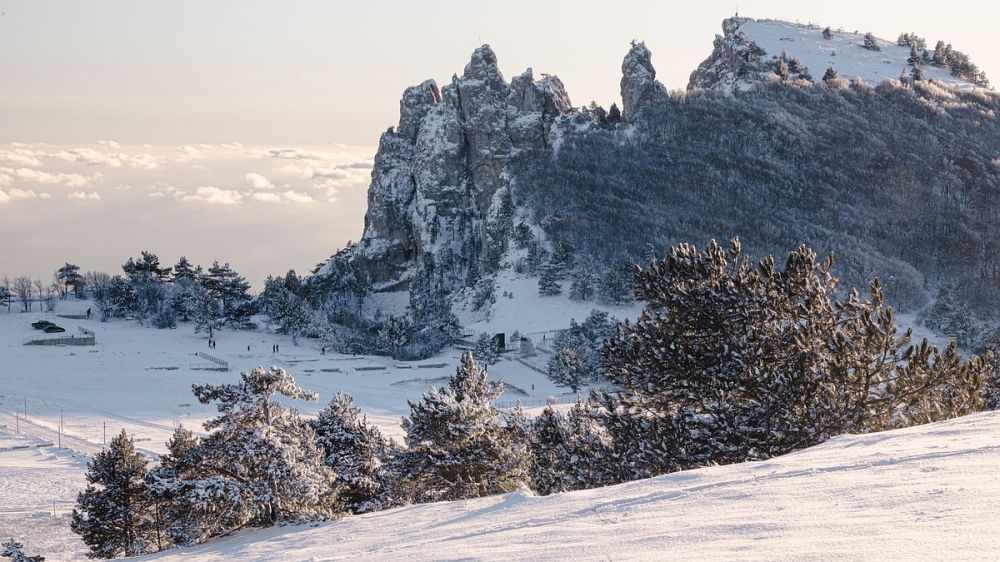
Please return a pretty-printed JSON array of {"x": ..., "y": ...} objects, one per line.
[
  {"x": 747, "y": 46},
  {"x": 924, "y": 493},
  {"x": 899, "y": 179}
]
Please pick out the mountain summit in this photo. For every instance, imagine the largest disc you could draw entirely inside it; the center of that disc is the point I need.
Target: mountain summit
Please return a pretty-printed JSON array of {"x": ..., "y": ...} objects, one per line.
[{"x": 750, "y": 51}]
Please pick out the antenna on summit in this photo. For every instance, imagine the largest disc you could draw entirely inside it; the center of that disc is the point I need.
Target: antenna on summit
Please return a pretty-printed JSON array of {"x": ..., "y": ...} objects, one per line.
[{"x": 737, "y": 8}]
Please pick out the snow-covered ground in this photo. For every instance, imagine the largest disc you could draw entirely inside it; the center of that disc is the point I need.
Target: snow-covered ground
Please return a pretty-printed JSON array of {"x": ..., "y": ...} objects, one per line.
[
  {"x": 924, "y": 493},
  {"x": 38, "y": 485},
  {"x": 842, "y": 52},
  {"x": 139, "y": 379}
]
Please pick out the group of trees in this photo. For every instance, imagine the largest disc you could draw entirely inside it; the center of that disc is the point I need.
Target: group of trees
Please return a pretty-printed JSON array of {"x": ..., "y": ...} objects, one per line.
[
  {"x": 731, "y": 360},
  {"x": 210, "y": 298},
  {"x": 576, "y": 352}
]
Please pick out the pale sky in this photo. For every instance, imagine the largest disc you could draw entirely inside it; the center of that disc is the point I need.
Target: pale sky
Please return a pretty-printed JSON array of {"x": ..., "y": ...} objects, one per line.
[{"x": 240, "y": 82}]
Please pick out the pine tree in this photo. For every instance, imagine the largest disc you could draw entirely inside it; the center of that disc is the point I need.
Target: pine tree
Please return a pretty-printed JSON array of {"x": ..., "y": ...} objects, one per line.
[
  {"x": 291, "y": 313},
  {"x": 265, "y": 452},
  {"x": 357, "y": 453},
  {"x": 185, "y": 271},
  {"x": 990, "y": 395},
  {"x": 614, "y": 114},
  {"x": 69, "y": 276},
  {"x": 486, "y": 349},
  {"x": 548, "y": 282},
  {"x": 568, "y": 368},
  {"x": 871, "y": 43},
  {"x": 581, "y": 287},
  {"x": 190, "y": 503},
  {"x": 827, "y": 33},
  {"x": 207, "y": 314},
  {"x": 232, "y": 290},
  {"x": 617, "y": 284},
  {"x": 457, "y": 445},
  {"x": 15, "y": 551},
  {"x": 914, "y": 58},
  {"x": 917, "y": 74},
  {"x": 941, "y": 52},
  {"x": 569, "y": 452},
  {"x": 733, "y": 361},
  {"x": 112, "y": 515},
  {"x": 830, "y": 75}
]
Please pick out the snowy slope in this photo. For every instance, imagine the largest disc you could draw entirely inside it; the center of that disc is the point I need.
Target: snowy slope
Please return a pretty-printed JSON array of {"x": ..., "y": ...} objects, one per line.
[
  {"x": 736, "y": 65},
  {"x": 924, "y": 493},
  {"x": 843, "y": 52}
]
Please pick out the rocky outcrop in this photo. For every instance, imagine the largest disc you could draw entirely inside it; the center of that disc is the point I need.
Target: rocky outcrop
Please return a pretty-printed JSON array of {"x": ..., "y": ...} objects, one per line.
[
  {"x": 735, "y": 61},
  {"x": 439, "y": 175},
  {"x": 639, "y": 84}
]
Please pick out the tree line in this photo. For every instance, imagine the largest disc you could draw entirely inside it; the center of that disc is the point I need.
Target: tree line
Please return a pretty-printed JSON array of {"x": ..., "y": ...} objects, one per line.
[{"x": 732, "y": 359}]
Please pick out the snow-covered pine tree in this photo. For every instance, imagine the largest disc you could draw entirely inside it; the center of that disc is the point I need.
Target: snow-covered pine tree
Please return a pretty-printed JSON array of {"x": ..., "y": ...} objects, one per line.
[
  {"x": 265, "y": 451},
  {"x": 948, "y": 317},
  {"x": 357, "y": 453},
  {"x": 548, "y": 281},
  {"x": 830, "y": 74},
  {"x": 733, "y": 360},
  {"x": 941, "y": 53},
  {"x": 113, "y": 514},
  {"x": 207, "y": 314},
  {"x": 486, "y": 350},
  {"x": 990, "y": 395},
  {"x": 871, "y": 43},
  {"x": 581, "y": 286},
  {"x": 192, "y": 503},
  {"x": 185, "y": 296},
  {"x": 457, "y": 445},
  {"x": 569, "y": 452},
  {"x": 291, "y": 313},
  {"x": 232, "y": 290},
  {"x": 617, "y": 284},
  {"x": 563, "y": 258},
  {"x": 827, "y": 33},
  {"x": 15, "y": 551},
  {"x": 568, "y": 368},
  {"x": 185, "y": 271}
]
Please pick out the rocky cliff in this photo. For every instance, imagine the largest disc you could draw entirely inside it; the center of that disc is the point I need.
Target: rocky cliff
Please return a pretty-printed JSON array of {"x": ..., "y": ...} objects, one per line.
[{"x": 441, "y": 177}]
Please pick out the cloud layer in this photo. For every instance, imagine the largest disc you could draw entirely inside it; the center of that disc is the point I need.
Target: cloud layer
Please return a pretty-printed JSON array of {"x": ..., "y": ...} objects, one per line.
[{"x": 222, "y": 174}]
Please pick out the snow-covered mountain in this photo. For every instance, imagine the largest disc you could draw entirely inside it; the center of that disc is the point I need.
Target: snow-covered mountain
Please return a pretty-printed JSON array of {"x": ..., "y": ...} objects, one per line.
[
  {"x": 746, "y": 52},
  {"x": 761, "y": 146},
  {"x": 923, "y": 493}
]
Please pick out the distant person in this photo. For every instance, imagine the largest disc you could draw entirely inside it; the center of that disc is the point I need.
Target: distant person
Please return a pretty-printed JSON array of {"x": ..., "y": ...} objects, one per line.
[
  {"x": 248, "y": 348},
  {"x": 88, "y": 314},
  {"x": 277, "y": 348},
  {"x": 322, "y": 351}
]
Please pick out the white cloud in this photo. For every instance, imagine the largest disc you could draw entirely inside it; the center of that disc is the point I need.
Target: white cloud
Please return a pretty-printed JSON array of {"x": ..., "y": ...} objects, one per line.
[
  {"x": 22, "y": 157},
  {"x": 212, "y": 195},
  {"x": 4, "y": 198},
  {"x": 296, "y": 197},
  {"x": 41, "y": 176},
  {"x": 15, "y": 193},
  {"x": 257, "y": 181},
  {"x": 188, "y": 153},
  {"x": 109, "y": 144},
  {"x": 85, "y": 196},
  {"x": 156, "y": 195},
  {"x": 266, "y": 197},
  {"x": 5, "y": 180}
]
